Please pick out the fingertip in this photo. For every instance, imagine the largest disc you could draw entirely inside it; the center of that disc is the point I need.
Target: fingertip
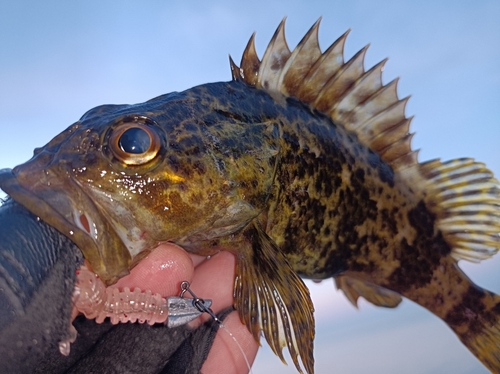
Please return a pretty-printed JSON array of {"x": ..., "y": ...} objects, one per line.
[
  {"x": 214, "y": 279},
  {"x": 161, "y": 271}
]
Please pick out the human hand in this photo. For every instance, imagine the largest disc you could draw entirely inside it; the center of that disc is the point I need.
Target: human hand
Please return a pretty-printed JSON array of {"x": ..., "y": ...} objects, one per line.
[{"x": 163, "y": 270}]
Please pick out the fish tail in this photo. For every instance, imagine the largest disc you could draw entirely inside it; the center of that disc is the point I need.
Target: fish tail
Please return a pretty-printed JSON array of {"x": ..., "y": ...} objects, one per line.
[
  {"x": 476, "y": 321},
  {"x": 472, "y": 312},
  {"x": 464, "y": 197}
]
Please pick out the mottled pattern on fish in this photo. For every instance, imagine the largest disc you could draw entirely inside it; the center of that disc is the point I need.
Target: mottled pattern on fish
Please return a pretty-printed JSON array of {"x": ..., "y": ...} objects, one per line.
[{"x": 302, "y": 166}]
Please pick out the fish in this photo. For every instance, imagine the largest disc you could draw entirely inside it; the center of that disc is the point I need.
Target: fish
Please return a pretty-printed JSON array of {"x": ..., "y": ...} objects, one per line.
[{"x": 302, "y": 166}]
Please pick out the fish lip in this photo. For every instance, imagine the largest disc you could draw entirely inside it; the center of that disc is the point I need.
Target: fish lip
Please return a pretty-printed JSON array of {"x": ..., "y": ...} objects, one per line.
[
  {"x": 39, "y": 207},
  {"x": 48, "y": 199}
]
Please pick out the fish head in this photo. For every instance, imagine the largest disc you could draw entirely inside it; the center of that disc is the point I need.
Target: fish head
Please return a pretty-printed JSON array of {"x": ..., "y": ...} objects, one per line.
[{"x": 126, "y": 177}]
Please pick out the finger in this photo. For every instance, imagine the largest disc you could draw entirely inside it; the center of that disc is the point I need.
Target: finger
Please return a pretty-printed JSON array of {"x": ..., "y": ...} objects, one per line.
[
  {"x": 225, "y": 355},
  {"x": 161, "y": 271},
  {"x": 214, "y": 279}
]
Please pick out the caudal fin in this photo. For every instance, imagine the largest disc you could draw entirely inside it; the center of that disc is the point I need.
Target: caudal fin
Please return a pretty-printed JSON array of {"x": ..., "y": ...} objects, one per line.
[
  {"x": 465, "y": 197},
  {"x": 476, "y": 321}
]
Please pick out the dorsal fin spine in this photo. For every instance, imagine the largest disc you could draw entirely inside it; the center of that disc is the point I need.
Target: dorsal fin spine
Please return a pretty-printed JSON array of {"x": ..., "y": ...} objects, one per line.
[
  {"x": 322, "y": 70},
  {"x": 250, "y": 63},
  {"x": 299, "y": 63},
  {"x": 339, "y": 83},
  {"x": 372, "y": 110},
  {"x": 236, "y": 72},
  {"x": 399, "y": 131},
  {"x": 274, "y": 59},
  {"x": 349, "y": 110}
]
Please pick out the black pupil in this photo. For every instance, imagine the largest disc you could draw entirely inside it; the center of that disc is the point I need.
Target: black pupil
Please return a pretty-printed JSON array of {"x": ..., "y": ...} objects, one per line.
[{"x": 135, "y": 140}]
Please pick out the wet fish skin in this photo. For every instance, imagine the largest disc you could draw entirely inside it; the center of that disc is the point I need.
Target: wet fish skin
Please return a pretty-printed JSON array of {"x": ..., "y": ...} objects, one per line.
[{"x": 193, "y": 189}]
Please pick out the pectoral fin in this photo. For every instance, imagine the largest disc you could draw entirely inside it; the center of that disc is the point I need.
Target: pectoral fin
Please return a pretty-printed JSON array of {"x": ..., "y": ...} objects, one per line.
[
  {"x": 354, "y": 288},
  {"x": 270, "y": 297}
]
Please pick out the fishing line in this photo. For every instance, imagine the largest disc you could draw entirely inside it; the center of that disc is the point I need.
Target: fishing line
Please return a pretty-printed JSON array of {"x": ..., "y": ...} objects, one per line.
[
  {"x": 224, "y": 328},
  {"x": 200, "y": 304},
  {"x": 92, "y": 298}
]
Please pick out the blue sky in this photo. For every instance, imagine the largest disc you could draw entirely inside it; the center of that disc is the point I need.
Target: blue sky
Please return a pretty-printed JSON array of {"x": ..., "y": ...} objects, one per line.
[{"x": 59, "y": 58}]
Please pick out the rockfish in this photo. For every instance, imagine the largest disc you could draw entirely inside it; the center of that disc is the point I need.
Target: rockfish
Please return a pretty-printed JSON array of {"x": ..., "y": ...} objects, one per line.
[{"x": 302, "y": 166}]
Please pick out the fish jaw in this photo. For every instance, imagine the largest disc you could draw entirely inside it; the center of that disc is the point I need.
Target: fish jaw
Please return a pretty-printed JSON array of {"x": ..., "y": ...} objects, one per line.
[{"x": 60, "y": 202}]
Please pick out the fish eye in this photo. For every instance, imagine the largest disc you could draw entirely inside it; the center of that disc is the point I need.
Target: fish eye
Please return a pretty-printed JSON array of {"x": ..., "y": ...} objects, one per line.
[
  {"x": 134, "y": 143},
  {"x": 134, "y": 140}
]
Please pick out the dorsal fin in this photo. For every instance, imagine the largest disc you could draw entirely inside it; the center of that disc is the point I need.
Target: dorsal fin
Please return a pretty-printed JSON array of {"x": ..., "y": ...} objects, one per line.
[
  {"x": 250, "y": 63},
  {"x": 462, "y": 193},
  {"x": 298, "y": 65},
  {"x": 275, "y": 57},
  {"x": 353, "y": 97},
  {"x": 465, "y": 197}
]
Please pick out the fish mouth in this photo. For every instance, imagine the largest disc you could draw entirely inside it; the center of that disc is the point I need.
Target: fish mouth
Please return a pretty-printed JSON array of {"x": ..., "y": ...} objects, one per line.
[{"x": 62, "y": 204}]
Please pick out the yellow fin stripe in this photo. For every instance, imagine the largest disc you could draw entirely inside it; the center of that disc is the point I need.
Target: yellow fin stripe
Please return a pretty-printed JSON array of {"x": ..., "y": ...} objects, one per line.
[{"x": 466, "y": 199}]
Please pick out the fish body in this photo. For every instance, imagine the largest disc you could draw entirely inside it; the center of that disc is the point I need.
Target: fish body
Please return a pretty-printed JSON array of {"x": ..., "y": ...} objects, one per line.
[{"x": 302, "y": 166}]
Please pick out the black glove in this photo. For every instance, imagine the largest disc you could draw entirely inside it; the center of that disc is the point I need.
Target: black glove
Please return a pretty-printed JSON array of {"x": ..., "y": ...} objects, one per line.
[{"x": 37, "y": 277}]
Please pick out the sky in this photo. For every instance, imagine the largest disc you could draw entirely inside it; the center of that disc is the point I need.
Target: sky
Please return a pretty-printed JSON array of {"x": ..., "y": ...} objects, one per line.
[{"x": 60, "y": 58}]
